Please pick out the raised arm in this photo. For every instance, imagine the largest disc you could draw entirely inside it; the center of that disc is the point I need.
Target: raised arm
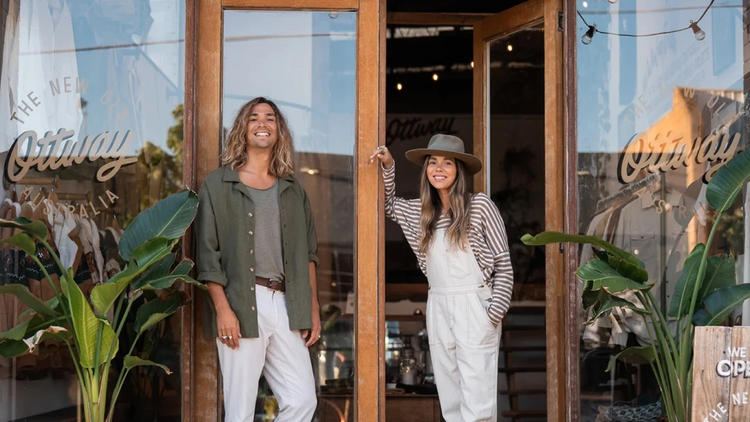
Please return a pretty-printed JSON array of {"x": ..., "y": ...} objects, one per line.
[{"x": 402, "y": 211}]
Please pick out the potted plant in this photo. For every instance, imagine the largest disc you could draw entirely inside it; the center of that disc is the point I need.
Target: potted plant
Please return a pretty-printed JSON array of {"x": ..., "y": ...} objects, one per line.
[
  {"x": 705, "y": 294},
  {"x": 91, "y": 329}
]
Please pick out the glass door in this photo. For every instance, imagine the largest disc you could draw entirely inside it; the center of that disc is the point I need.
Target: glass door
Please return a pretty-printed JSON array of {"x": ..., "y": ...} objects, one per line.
[
  {"x": 318, "y": 61},
  {"x": 517, "y": 130}
]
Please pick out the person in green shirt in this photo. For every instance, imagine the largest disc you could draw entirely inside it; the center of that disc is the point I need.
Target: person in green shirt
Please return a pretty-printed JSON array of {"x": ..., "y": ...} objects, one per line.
[{"x": 257, "y": 254}]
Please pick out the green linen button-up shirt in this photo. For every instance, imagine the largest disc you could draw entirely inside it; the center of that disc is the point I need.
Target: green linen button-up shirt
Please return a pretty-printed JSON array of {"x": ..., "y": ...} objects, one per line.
[{"x": 225, "y": 246}]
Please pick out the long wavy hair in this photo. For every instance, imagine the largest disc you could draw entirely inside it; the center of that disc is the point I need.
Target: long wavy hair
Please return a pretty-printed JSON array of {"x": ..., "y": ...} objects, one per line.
[
  {"x": 235, "y": 149},
  {"x": 460, "y": 206}
]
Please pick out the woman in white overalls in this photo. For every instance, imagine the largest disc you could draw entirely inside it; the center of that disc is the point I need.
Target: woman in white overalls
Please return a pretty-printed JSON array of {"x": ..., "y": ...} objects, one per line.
[{"x": 461, "y": 246}]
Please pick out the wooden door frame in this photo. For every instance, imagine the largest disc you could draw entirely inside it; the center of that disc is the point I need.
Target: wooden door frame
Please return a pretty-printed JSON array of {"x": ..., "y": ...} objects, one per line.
[
  {"x": 203, "y": 108},
  {"x": 556, "y": 288}
]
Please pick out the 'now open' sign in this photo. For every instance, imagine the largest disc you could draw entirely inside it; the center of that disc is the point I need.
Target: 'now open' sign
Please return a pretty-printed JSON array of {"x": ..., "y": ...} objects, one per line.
[{"x": 721, "y": 374}]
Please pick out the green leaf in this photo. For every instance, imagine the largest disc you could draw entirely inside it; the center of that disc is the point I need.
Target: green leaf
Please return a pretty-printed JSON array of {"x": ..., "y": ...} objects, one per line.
[
  {"x": 152, "y": 252},
  {"x": 104, "y": 295},
  {"x": 548, "y": 237},
  {"x": 36, "y": 228},
  {"x": 24, "y": 295},
  {"x": 605, "y": 277},
  {"x": 720, "y": 273},
  {"x": 52, "y": 304},
  {"x": 156, "y": 310},
  {"x": 184, "y": 267},
  {"x": 19, "y": 331},
  {"x": 169, "y": 218},
  {"x": 132, "y": 361},
  {"x": 12, "y": 348},
  {"x": 624, "y": 268},
  {"x": 646, "y": 352},
  {"x": 23, "y": 242},
  {"x": 86, "y": 326},
  {"x": 605, "y": 302},
  {"x": 168, "y": 281},
  {"x": 154, "y": 272},
  {"x": 728, "y": 182},
  {"x": 683, "y": 290},
  {"x": 719, "y": 304}
]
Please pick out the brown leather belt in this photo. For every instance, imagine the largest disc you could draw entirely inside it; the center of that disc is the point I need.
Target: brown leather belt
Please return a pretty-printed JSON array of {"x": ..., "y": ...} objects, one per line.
[{"x": 277, "y": 285}]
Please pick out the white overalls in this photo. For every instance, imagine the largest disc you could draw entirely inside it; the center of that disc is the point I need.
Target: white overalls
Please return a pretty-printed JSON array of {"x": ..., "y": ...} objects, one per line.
[{"x": 463, "y": 342}]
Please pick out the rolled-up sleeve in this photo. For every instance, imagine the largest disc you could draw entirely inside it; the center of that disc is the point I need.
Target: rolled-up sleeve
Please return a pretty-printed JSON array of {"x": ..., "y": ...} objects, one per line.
[
  {"x": 209, "y": 255},
  {"x": 312, "y": 237}
]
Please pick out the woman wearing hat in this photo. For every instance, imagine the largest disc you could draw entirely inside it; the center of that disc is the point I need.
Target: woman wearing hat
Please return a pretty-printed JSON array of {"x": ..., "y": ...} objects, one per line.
[{"x": 461, "y": 246}]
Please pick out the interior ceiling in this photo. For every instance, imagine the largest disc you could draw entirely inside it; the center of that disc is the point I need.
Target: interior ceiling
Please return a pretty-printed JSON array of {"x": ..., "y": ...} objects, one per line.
[
  {"x": 451, "y": 6},
  {"x": 415, "y": 53}
]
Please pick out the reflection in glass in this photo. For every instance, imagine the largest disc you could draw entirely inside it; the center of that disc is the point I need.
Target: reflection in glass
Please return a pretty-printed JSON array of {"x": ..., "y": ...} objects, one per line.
[
  {"x": 102, "y": 70},
  {"x": 516, "y": 185},
  {"x": 305, "y": 62},
  {"x": 675, "y": 99}
]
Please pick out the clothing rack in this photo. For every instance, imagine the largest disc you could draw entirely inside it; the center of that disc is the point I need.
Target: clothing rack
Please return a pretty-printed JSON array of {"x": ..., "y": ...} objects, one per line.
[
  {"x": 37, "y": 181},
  {"x": 627, "y": 191}
]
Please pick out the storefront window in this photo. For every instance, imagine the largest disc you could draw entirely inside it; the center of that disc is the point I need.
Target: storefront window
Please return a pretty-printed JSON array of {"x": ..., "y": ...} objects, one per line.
[
  {"x": 91, "y": 100},
  {"x": 661, "y": 100},
  {"x": 306, "y": 63}
]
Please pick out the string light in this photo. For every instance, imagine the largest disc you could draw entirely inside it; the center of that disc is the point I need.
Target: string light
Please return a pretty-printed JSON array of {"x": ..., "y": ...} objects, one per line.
[
  {"x": 585, "y": 5},
  {"x": 510, "y": 47},
  {"x": 697, "y": 31},
  {"x": 586, "y": 38},
  {"x": 699, "y": 34},
  {"x": 434, "y": 76},
  {"x": 399, "y": 86},
  {"x": 472, "y": 65}
]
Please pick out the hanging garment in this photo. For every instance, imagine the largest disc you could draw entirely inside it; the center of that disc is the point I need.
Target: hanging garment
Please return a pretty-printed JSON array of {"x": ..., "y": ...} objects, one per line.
[{"x": 40, "y": 81}]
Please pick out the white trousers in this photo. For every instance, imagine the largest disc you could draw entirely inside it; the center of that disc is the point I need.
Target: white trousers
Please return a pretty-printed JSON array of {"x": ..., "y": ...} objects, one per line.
[
  {"x": 280, "y": 354},
  {"x": 463, "y": 342}
]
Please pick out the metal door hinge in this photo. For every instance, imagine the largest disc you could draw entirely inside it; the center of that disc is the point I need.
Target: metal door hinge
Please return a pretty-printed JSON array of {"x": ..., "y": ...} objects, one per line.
[{"x": 560, "y": 21}]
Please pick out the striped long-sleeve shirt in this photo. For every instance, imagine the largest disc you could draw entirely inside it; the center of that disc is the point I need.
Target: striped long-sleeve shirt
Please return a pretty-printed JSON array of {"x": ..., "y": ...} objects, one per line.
[{"x": 486, "y": 235}]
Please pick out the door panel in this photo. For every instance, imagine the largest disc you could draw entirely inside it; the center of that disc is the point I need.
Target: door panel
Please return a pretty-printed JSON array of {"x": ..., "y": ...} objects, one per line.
[
  {"x": 517, "y": 112},
  {"x": 308, "y": 57}
]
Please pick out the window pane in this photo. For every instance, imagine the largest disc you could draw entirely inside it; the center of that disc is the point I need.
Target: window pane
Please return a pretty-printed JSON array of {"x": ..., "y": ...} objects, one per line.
[
  {"x": 108, "y": 77},
  {"x": 306, "y": 63},
  {"x": 657, "y": 116}
]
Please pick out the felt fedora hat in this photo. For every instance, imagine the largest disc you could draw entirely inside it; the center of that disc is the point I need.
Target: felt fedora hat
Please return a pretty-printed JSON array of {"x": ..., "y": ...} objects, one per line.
[{"x": 446, "y": 146}]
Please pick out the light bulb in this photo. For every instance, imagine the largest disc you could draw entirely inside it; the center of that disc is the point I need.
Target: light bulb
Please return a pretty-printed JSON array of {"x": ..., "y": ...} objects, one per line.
[
  {"x": 585, "y": 5},
  {"x": 697, "y": 31},
  {"x": 510, "y": 47},
  {"x": 399, "y": 87},
  {"x": 434, "y": 76},
  {"x": 586, "y": 38},
  {"x": 472, "y": 65}
]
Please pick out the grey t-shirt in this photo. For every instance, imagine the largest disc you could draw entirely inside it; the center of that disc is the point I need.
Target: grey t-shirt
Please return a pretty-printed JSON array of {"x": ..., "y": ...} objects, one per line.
[{"x": 269, "y": 258}]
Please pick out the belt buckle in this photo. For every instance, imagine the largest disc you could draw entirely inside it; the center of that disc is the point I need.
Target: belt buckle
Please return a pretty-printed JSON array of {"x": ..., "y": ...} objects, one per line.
[{"x": 272, "y": 284}]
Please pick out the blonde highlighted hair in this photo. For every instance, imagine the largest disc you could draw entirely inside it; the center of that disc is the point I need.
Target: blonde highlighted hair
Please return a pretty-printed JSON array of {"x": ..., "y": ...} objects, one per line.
[
  {"x": 460, "y": 207},
  {"x": 234, "y": 152}
]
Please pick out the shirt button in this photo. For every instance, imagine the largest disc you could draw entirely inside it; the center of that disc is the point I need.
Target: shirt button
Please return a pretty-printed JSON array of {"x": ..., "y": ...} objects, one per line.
[
  {"x": 249, "y": 214},
  {"x": 252, "y": 308},
  {"x": 251, "y": 251},
  {"x": 252, "y": 288},
  {"x": 250, "y": 232},
  {"x": 252, "y": 269}
]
